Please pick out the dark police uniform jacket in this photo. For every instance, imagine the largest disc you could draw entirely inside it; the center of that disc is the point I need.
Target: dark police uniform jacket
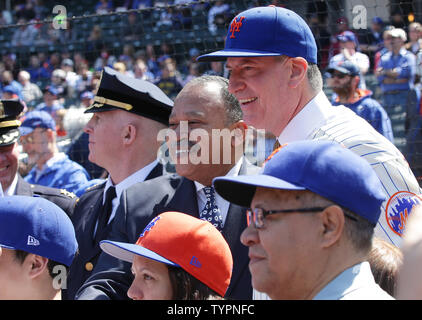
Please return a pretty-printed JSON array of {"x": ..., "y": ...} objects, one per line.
[
  {"x": 62, "y": 198},
  {"x": 84, "y": 221},
  {"x": 139, "y": 204}
]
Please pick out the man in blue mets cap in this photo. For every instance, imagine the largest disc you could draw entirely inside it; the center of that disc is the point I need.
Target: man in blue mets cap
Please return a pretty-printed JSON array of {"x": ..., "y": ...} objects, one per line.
[
  {"x": 313, "y": 212},
  {"x": 38, "y": 245},
  {"x": 272, "y": 60}
]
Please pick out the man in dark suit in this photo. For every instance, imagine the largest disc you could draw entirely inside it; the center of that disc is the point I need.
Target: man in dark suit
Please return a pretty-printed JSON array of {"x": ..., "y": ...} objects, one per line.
[
  {"x": 127, "y": 116},
  {"x": 204, "y": 104},
  {"x": 11, "y": 181}
]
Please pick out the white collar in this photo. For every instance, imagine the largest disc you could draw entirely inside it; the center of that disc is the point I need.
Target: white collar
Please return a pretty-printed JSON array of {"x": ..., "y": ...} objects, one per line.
[
  {"x": 311, "y": 117},
  {"x": 12, "y": 188},
  {"x": 138, "y": 176},
  {"x": 234, "y": 171}
]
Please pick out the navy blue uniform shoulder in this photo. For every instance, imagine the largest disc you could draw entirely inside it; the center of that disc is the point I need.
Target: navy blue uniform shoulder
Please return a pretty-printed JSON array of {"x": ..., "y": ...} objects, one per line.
[
  {"x": 96, "y": 187},
  {"x": 64, "y": 199}
]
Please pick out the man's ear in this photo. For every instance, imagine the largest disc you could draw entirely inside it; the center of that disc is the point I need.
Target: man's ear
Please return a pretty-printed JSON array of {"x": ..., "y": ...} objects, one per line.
[
  {"x": 35, "y": 265},
  {"x": 129, "y": 134},
  {"x": 299, "y": 66},
  {"x": 332, "y": 220},
  {"x": 238, "y": 130}
]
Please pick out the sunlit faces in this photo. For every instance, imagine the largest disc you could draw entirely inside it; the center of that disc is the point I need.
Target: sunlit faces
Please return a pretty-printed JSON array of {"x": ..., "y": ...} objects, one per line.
[
  {"x": 197, "y": 118},
  {"x": 261, "y": 84},
  {"x": 9, "y": 156},
  {"x": 152, "y": 280},
  {"x": 278, "y": 251},
  {"x": 105, "y": 136},
  {"x": 35, "y": 144}
]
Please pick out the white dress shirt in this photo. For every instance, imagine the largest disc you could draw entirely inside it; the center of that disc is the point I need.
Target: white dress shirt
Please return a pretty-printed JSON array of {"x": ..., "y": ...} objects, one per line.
[
  {"x": 12, "y": 188},
  {"x": 138, "y": 176}
]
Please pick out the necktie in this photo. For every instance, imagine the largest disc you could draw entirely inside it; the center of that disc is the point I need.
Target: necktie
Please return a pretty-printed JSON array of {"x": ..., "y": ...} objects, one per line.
[
  {"x": 105, "y": 213},
  {"x": 211, "y": 212}
]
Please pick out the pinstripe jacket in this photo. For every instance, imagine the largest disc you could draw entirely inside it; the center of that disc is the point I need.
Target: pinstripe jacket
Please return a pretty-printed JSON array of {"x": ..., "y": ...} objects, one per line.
[{"x": 319, "y": 120}]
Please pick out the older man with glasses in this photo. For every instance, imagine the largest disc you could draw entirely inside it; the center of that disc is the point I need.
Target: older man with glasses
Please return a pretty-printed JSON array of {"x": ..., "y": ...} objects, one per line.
[{"x": 310, "y": 227}]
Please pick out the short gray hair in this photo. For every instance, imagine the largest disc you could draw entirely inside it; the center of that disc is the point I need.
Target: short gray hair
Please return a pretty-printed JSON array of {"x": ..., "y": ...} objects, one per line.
[
  {"x": 313, "y": 74},
  {"x": 357, "y": 230},
  {"x": 314, "y": 77},
  {"x": 232, "y": 105}
]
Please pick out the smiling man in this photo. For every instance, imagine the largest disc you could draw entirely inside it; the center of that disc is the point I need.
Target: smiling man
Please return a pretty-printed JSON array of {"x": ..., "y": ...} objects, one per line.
[
  {"x": 127, "y": 115},
  {"x": 271, "y": 55},
  {"x": 11, "y": 181},
  {"x": 310, "y": 227},
  {"x": 204, "y": 105}
]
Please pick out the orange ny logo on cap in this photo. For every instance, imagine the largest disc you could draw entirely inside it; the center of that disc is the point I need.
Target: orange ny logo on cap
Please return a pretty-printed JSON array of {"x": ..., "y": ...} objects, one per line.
[{"x": 235, "y": 26}]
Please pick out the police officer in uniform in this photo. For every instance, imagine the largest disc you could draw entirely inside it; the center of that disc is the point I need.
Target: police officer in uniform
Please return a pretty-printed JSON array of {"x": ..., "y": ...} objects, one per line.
[
  {"x": 127, "y": 116},
  {"x": 11, "y": 181}
]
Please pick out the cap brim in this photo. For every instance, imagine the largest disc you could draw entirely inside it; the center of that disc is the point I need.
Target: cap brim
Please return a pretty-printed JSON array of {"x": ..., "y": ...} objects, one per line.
[
  {"x": 7, "y": 247},
  {"x": 25, "y": 130},
  {"x": 126, "y": 252},
  {"x": 227, "y": 53},
  {"x": 103, "y": 108},
  {"x": 241, "y": 189}
]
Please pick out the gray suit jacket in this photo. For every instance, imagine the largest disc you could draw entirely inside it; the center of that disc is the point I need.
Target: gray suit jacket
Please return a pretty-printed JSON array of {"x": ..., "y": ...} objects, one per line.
[{"x": 112, "y": 278}]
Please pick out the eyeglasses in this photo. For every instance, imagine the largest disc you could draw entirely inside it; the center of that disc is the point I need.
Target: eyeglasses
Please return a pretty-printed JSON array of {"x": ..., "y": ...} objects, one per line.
[{"x": 257, "y": 215}]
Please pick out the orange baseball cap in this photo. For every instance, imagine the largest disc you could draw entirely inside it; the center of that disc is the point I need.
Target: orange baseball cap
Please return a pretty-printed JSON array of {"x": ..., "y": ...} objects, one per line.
[{"x": 181, "y": 240}]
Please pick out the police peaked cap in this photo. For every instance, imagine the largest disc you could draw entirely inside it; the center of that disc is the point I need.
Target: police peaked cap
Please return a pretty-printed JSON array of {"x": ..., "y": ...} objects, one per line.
[
  {"x": 10, "y": 111},
  {"x": 117, "y": 91}
]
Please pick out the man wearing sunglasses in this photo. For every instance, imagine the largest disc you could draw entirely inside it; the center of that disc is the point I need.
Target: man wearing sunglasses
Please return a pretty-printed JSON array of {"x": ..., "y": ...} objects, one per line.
[
  {"x": 345, "y": 81},
  {"x": 310, "y": 228}
]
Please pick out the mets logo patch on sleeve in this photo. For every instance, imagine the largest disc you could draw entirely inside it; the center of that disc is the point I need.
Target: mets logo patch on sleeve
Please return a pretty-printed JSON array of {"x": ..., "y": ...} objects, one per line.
[{"x": 398, "y": 209}]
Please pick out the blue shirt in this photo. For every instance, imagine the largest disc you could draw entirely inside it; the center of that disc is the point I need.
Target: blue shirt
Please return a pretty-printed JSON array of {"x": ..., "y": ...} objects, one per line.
[
  {"x": 370, "y": 109},
  {"x": 355, "y": 283},
  {"x": 62, "y": 173},
  {"x": 404, "y": 63},
  {"x": 51, "y": 110}
]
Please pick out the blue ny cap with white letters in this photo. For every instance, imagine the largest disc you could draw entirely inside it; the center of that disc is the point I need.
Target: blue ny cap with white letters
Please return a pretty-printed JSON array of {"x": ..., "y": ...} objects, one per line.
[
  {"x": 267, "y": 31},
  {"x": 36, "y": 225}
]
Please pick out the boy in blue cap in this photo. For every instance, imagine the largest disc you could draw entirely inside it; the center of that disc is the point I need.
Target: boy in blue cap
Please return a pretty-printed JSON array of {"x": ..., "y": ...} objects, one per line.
[
  {"x": 272, "y": 59},
  {"x": 38, "y": 244},
  {"x": 313, "y": 212}
]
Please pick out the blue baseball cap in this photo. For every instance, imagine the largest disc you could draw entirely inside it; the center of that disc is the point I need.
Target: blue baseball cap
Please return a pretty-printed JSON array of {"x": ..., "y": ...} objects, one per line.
[
  {"x": 347, "y": 36},
  {"x": 51, "y": 89},
  {"x": 10, "y": 89},
  {"x": 38, "y": 226},
  {"x": 87, "y": 95},
  {"x": 346, "y": 67},
  {"x": 267, "y": 31},
  {"x": 377, "y": 20},
  {"x": 36, "y": 119},
  {"x": 323, "y": 167}
]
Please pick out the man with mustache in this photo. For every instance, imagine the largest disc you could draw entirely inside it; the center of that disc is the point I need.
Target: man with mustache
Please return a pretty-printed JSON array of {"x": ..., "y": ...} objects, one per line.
[
  {"x": 127, "y": 115},
  {"x": 203, "y": 107}
]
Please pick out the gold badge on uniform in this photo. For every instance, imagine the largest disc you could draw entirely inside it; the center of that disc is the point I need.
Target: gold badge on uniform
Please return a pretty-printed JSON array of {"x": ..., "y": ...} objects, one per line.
[{"x": 67, "y": 193}]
